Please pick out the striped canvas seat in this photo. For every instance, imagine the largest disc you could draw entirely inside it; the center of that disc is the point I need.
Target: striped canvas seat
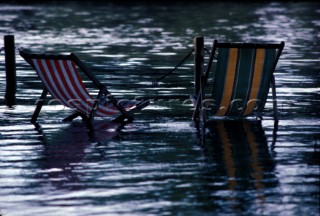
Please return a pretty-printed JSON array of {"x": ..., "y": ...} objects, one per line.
[
  {"x": 240, "y": 78},
  {"x": 60, "y": 76}
]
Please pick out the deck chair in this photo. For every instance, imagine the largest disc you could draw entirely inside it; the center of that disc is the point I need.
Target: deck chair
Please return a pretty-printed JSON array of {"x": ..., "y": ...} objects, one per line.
[
  {"x": 61, "y": 78},
  {"x": 239, "y": 82}
]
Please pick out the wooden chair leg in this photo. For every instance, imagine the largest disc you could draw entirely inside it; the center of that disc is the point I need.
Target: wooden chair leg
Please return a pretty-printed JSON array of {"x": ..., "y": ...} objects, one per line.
[
  {"x": 72, "y": 116},
  {"x": 119, "y": 119},
  {"x": 114, "y": 101},
  {"x": 139, "y": 107},
  {"x": 93, "y": 112},
  {"x": 96, "y": 104},
  {"x": 274, "y": 98},
  {"x": 40, "y": 103},
  {"x": 196, "y": 112},
  {"x": 199, "y": 113}
]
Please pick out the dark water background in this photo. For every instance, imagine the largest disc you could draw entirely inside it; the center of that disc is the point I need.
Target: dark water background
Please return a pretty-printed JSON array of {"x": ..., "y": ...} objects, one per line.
[{"x": 160, "y": 165}]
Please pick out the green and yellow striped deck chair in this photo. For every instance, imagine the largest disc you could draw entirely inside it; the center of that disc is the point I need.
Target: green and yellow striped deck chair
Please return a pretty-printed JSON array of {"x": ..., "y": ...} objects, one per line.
[{"x": 237, "y": 80}]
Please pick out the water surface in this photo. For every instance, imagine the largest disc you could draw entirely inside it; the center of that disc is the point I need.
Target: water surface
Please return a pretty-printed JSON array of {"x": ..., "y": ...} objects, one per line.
[{"x": 160, "y": 164}]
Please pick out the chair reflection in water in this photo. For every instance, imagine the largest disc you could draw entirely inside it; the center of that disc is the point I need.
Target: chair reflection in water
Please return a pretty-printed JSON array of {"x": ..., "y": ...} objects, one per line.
[
  {"x": 66, "y": 147},
  {"x": 241, "y": 153}
]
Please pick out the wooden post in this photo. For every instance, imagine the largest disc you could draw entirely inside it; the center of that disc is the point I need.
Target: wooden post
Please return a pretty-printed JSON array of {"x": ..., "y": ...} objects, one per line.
[
  {"x": 10, "y": 62},
  {"x": 198, "y": 62}
]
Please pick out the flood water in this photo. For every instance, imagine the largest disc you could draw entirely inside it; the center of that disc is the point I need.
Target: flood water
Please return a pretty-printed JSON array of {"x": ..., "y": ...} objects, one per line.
[{"x": 160, "y": 164}]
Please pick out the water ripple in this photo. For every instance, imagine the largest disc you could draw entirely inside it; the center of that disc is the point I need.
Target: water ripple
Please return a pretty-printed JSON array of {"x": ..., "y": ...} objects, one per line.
[{"x": 160, "y": 164}]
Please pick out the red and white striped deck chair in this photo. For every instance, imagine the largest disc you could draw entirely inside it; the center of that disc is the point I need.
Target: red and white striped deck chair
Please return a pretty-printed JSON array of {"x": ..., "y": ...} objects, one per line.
[{"x": 60, "y": 76}]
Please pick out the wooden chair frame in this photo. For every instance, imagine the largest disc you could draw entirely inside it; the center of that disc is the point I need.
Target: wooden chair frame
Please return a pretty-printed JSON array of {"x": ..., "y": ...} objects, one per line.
[
  {"x": 103, "y": 91},
  {"x": 199, "y": 113}
]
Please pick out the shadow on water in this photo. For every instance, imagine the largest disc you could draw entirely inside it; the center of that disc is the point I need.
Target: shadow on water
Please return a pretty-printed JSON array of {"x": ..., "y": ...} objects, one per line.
[{"x": 239, "y": 153}]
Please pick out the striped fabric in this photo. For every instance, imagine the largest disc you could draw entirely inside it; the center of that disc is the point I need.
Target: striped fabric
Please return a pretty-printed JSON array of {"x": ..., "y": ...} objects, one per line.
[
  {"x": 61, "y": 78},
  {"x": 242, "y": 80}
]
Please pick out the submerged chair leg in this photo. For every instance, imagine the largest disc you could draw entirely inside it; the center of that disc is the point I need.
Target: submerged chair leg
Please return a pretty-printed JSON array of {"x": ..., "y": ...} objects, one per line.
[
  {"x": 73, "y": 116},
  {"x": 139, "y": 107},
  {"x": 40, "y": 103},
  {"x": 93, "y": 111},
  {"x": 195, "y": 115},
  {"x": 119, "y": 119},
  {"x": 274, "y": 98},
  {"x": 199, "y": 113}
]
